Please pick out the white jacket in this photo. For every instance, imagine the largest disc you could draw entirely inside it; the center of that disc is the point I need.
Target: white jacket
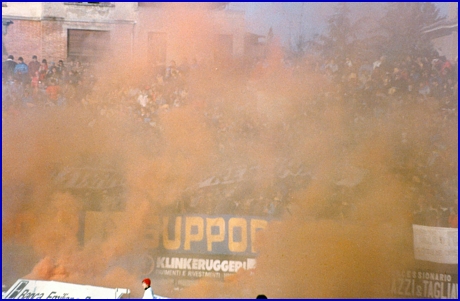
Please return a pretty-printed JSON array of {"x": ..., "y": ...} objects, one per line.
[{"x": 148, "y": 293}]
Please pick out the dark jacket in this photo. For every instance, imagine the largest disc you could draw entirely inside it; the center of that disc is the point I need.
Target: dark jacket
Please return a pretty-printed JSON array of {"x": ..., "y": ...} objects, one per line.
[{"x": 8, "y": 68}]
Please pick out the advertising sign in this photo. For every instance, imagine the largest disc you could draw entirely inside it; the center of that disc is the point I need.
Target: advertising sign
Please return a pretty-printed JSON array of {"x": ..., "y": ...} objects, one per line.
[
  {"x": 40, "y": 289},
  {"x": 194, "y": 266},
  {"x": 205, "y": 234},
  {"x": 424, "y": 284},
  {"x": 204, "y": 246},
  {"x": 436, "y": 244},
  {"x": 190, "y": 246}
]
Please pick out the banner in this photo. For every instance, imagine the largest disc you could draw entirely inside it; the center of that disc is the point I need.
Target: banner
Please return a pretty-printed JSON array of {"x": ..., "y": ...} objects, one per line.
[
  {"x": 436, "y": 244},
  {"x": 207, "y": 234},
  {"x": 424, "y": 284},
  {"x": 40, "y": 289},
  {"x": 284, "y": 169},
  {"x": 89, "y": 178},
  {"x": 186, "y": 234},
  {"x": 189, "y": 246},
  {"x": 194, "y": 267},
  {"x": 203, "y": 246}
]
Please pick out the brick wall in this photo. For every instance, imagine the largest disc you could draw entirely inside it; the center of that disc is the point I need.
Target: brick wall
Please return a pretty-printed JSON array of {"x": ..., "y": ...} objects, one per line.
[
  {"x": 23, "y": 38},
  {"x": 46, "y": 39},
  {"x": 54, "y": 41}
]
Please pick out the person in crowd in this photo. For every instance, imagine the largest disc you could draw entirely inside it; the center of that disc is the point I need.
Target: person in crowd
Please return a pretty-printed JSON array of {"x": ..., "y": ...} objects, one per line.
[
  {"x": 21, "y": 71},
  {"x": 50, "y": 67},
  {"x": 35, "y": 82},
  {"x": 8, "y": 67},
  {"x": 53, "y": 91},
  {"x": 378, "y": 63},
  {"x": 148, "y": 291},
  {"x": 60, "y": 68},
  {"x": 143, "y": 98},
  {"x": 78, "y": 68},
  {"x": 53, "y": 73},
  {"x": 172, "y": 71},
  {"x": 43, "y": 70},
  {"x": 34, "y": 65},
  {"x": 261, "y": 296}
]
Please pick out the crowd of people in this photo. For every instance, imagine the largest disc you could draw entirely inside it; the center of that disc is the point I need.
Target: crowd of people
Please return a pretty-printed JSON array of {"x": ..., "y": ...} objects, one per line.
[
  {"x": 427, "y": 76},
  {"x": 37, "y": 85}
]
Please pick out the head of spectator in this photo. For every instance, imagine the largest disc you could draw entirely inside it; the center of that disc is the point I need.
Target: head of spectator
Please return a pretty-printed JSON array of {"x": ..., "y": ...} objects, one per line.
[
  {"x": 10, "y": 58},
  {"x": 60, "y": 65},
  {"x": 20, "y": 60},
  {"x": 146, "y": 283},
  {"x": 262, "y": 296},
  {"x": 34, "y": 66}
]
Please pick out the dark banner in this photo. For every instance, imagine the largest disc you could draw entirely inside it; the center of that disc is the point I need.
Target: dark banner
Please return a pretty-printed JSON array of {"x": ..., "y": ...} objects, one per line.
[
  {"x": 189, "y": 246},
  {"x": 203, "y": 246},
  {"x": 207, "y": 235},
  {"x": 424, "y": 284}
]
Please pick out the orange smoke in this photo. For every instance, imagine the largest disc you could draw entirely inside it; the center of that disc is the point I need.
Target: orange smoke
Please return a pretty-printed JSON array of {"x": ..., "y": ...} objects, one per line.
[{"x": 314, "y": 251}]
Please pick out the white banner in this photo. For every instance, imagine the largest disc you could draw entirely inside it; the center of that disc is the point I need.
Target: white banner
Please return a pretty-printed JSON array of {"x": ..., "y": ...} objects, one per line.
[
  {"x": 436, "y": 244},
  {"x": 40, "y": 289}
]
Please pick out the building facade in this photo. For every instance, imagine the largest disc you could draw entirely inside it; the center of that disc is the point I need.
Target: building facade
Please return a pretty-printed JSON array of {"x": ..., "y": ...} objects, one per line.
[
  {"x": 177, "y": 31},
  {"x": 151, "y": 31}
]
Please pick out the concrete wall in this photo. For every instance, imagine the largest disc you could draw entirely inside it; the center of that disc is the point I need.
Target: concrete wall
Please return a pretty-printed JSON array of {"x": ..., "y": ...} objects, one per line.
[
  {"x": 26, "y": 10},
  {"x": 116, "y": 11},
  {"x": 104, "y": 12}
]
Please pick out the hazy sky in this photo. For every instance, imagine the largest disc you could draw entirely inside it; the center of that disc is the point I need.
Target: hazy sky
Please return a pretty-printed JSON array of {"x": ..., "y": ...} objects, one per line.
[{"x": 287, "y": 18}]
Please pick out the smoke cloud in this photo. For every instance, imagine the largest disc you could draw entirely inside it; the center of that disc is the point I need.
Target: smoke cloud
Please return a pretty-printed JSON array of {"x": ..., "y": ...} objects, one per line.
[{"x": 314, "y": 251}]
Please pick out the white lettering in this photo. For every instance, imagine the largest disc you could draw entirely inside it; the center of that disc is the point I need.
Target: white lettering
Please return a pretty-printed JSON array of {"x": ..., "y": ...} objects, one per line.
[
  {"x": 195, "y": 264},
  {"x": 224, "y": 266}
]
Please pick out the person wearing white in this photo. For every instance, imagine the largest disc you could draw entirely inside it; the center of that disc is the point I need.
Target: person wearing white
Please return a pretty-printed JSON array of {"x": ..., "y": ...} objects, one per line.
[{"x": 148, "y": 292}]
